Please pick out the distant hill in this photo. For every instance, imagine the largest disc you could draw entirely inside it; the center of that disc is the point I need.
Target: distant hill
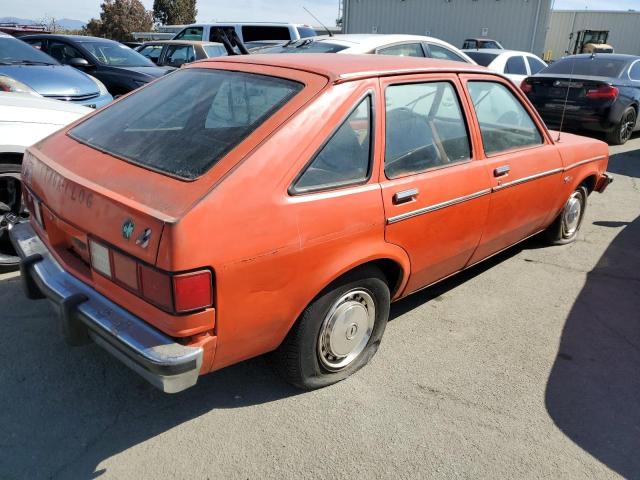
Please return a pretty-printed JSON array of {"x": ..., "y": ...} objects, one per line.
[{"x": 65, "y": 23}]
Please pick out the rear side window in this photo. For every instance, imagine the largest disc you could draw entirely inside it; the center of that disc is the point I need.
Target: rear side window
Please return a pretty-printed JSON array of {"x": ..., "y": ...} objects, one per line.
[
  {"x": 634, "y": 73},
  {"x": 504, "y": 122},
  {"x": 516, "y": 66},
  {"x": 346, "y": 158},
  {"x": 404, "y": 50},
  {"x": 252, "y": 33},
  {"x": 444, "y": 53},
  {"x": 425, "y": 128},
  {"x": 215, "y": 50},
  {"x": 183, "y": 124},
  {"x": 190, "y": 33},
  {"x": 535, "y": 65}
]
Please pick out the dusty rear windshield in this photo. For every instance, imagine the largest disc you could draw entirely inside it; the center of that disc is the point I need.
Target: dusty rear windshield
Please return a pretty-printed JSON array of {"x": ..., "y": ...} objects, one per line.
[
  {"x": 183, "y": 124},
  {"x": 596, "y": 66}
]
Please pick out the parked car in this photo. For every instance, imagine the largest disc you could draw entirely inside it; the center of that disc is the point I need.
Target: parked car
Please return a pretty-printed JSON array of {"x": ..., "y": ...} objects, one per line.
[
  {"x": 175, "y": 53},
  {"x": 400, "y": 45},
  {"x": 24, "y": 120},
  {"x": 601, "y": 93},
  {"x": 479, "y": 43},
  {"x": 247, "y": 32},
  {"x": 513, "y": 64},
  {"x": 119, "y": 67},
  {"x": 281, "y": 202},
  {"x": 27, "y": 70}
]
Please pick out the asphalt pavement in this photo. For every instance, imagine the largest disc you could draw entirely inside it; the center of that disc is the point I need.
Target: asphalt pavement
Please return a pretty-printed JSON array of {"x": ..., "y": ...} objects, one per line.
[{"x": 527, "y": 366}]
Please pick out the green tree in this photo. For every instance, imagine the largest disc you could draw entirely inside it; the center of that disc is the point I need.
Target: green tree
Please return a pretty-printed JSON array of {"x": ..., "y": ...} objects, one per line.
[
  {"x": 174, "y": 12},
  {"x": 119, "y": 18}
]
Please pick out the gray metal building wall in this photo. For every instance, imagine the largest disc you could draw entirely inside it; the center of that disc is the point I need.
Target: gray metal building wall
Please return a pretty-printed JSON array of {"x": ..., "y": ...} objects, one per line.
[
  {"x": 624, "y": 29},
  {"x": 511, "y": 22}
]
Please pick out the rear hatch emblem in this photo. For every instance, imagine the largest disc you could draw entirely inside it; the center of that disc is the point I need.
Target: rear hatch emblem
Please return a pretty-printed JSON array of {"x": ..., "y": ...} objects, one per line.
[{"x": 127, "y": 229}]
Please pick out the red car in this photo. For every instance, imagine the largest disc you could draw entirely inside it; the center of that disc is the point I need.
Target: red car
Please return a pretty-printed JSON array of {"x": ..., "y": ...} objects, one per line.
[{"x": 241, "y": 206}]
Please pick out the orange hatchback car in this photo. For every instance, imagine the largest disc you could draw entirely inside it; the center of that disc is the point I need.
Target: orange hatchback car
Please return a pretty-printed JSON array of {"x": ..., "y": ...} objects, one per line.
[{"x": 280, "y": 203}]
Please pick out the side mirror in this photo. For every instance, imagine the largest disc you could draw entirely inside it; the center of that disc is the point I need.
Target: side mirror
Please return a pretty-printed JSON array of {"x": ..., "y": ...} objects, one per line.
[{"x": 79, "y": 63}]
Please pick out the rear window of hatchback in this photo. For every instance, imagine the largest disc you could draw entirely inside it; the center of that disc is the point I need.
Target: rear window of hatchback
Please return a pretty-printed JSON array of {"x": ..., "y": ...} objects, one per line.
[{"x": 185, "y": 123}]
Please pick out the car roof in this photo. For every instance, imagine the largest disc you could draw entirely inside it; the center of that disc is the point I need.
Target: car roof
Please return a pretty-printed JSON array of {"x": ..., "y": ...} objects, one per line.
[
  {"x": 249, "y": 24},
  {"x": 498, "y": 51},
  {"x": 481, "y": 39},
  {"x": 615, "y": 56},
  {"x": 373, "y": 40},
  {"x": 340, "y": 68}
]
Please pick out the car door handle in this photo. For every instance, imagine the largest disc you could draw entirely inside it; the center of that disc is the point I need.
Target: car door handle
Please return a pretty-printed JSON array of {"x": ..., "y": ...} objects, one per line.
[
  {"x": 501, "y": 171},
  {"x": 405, "y": 196}
]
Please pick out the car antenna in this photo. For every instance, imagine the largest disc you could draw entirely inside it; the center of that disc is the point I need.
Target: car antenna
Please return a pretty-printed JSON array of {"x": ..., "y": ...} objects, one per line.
[
  {"x": 321, "y": 24},
  {"x": 566, "y": 98}
]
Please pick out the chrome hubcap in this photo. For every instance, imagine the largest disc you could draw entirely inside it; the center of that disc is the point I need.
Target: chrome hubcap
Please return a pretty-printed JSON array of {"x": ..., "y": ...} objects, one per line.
[
  {"x": 572, "y": 214},
  {"x": 346, "y": 329}
]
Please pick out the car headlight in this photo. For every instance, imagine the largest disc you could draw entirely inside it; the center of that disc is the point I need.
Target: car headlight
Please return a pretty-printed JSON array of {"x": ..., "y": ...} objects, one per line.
[
  {"x": 8, "y": 84},
  {"x": 101, "y": 87}
]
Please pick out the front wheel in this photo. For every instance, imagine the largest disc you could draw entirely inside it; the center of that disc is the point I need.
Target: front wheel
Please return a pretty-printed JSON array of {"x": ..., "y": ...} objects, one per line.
[
  {"x": 623, "y": 131},
  {"x": 338, "y": 333},
  {"x": 565, "y": 227}
]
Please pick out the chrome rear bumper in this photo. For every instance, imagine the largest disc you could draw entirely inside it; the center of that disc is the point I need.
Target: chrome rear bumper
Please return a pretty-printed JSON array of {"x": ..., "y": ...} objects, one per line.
[{"x": 87, "y": 315}]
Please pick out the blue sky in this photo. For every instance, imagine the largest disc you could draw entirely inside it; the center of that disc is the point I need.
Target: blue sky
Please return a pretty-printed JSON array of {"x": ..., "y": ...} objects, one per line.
[{"x": 247, "y": 10}]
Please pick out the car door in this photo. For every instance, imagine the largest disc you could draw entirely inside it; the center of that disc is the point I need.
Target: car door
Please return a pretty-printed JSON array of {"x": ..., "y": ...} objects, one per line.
[
  {"x": 523, "y": 163},
  {"x": 435, "y": 189}
]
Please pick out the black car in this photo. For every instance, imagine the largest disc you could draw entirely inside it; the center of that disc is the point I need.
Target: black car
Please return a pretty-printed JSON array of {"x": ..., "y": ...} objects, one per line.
[
  {"x": 602, "y": 93},
  {"x": 119, "y": 67}
]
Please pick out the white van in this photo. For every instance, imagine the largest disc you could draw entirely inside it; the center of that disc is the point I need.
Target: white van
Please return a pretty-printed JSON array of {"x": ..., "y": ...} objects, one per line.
[{"x": 248, "y": 32}]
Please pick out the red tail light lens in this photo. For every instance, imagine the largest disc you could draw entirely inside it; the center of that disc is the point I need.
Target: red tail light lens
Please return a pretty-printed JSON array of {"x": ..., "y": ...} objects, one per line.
[
  {"x": 525, "y": 86},
  {"x": 603, "y": 92},
  {"x": 173, "y": 293},
  {"x": 192, "y": 291}
]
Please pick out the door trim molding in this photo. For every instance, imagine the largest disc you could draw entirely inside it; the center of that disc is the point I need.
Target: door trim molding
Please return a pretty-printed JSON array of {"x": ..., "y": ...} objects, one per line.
[
  {"x": 526, "y": 179},
  {"x": 437, "y": 206}
]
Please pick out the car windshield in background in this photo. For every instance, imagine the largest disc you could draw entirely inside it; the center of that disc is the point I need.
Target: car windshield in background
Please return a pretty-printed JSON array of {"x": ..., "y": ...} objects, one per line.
[
  {"x": 116, "y": 54},
  {"x": 185, "y": 123},
  {"x": 481, "y": 58},
  {"x": 17, "y": 52},
  {"x": 597, "y": 66},
  {"x": 307, "y": 46}
]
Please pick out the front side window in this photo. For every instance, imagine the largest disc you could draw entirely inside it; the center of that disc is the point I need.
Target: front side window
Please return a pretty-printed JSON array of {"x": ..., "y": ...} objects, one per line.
[
  {"x": 504, "y": 122},
  {"x": 63, "y": 52},
  {"x": 425, "y": 128},
  {"x": 516, "y": 66},
  {"x": 16, "y": 52},
  {"x": 177, "y": 55},
  {"x": 186, "y": 122},
  {"x": 444, "y": 53},
  {"x": 346, "y": 158},
  {"x": 190, "y": 33},
  {"x": 403, "y": 50}
]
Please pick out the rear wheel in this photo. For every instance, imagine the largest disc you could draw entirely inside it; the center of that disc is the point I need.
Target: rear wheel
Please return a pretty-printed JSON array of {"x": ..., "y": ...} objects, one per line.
[
  {"x": 623, "y": 131},
  {"x": 11, "y": 208},
  {"x": 338, "y": 333},
  {"x": 565, "y": 227}
]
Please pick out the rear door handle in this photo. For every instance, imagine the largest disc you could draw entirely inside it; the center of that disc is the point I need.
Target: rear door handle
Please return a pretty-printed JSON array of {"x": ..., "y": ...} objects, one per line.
[
  {"x": 405, "y": 196},
  {"x": 501, "y": 171}
]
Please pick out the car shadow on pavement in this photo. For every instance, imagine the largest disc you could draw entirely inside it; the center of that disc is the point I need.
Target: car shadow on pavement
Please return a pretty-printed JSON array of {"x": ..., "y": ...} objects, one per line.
[
  {"x": 65, "y": 410},
  {"x": 627, "y": 163},
  {"x": 593, "y": 391}
]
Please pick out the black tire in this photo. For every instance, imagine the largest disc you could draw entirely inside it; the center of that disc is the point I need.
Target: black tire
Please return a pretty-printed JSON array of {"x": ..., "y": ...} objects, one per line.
[
  {"x": 298, "y": 359},
  {"x": 10, "y": 192},
  {"x": 557, "y": 233},
  {"x": 623, "y": 131}
]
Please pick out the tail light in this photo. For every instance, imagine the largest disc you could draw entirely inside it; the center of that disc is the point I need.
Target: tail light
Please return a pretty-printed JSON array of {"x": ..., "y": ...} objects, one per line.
[
  {"x": 603, "y": 92},
  {"x": 526, "y": 86},
  {"x": 171, "y": 292}
]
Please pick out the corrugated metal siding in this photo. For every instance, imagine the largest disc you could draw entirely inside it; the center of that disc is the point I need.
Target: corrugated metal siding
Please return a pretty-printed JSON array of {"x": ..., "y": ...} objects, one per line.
[
  {"x": 624, "y": 28},
  {"x": 511, "y": 22}
]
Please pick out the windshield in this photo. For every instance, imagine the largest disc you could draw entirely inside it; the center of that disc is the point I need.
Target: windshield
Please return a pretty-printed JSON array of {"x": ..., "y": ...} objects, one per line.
[
  {"x": 481, "y": 58},
  {"x": 598, "y": 66},
  {"x": 307, "y": 46},
  {"x": 116, "y": 54},
  {"x": 17, "y": 52},
  {"x": 183, "y": 124}
]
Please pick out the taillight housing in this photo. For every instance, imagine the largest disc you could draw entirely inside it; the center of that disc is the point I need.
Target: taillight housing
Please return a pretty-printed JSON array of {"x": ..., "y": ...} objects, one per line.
[
  {"x": 526, "y": 86},
  {"x": 174, "y": 293},
  {"x": 603, "y": 92}
]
